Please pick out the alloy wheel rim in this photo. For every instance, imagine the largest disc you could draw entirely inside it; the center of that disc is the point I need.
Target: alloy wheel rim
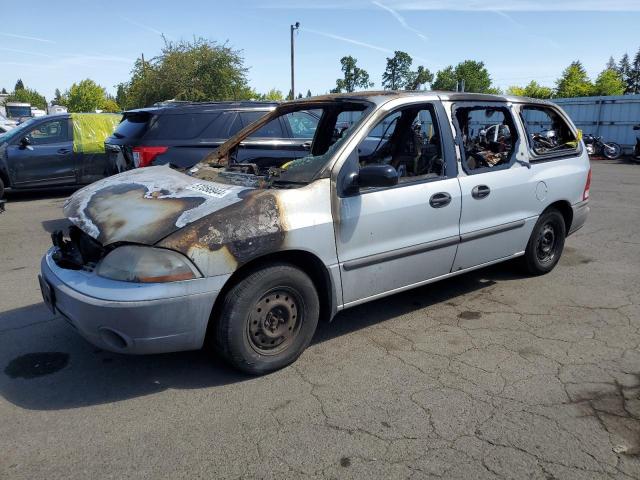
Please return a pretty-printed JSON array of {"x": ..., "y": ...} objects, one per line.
[{"x": 275, "y": 321}]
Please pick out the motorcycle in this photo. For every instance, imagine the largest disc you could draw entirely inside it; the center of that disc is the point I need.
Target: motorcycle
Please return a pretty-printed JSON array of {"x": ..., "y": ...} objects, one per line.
[
  {"x": 636, "y": 149},
  {"x": 595, "y": 146}
]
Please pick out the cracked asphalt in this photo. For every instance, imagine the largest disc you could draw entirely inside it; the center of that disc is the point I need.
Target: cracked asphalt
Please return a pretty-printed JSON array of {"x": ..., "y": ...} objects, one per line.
[{"x": 491, "y": 375}]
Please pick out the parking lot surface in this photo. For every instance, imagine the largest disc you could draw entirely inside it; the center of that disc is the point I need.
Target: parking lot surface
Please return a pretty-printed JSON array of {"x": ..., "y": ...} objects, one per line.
[{"x": 488, "y": 375}]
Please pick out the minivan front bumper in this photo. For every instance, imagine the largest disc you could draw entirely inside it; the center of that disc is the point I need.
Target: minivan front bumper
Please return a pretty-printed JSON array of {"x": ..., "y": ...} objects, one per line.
[{"x": 128, "y": 317}]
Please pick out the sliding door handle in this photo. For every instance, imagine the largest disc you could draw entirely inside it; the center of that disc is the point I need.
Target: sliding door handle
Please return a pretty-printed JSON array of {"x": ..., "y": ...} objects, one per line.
[{"x": 480, "y": 191}]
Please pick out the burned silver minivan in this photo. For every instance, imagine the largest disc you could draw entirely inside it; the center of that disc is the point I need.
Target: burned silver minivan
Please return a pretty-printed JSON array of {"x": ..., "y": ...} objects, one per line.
[{"x": 396, "y": 190}]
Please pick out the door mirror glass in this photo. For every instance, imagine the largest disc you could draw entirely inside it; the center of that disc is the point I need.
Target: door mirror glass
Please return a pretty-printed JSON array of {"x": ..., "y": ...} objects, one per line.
[{"x": 377, "y": 175}]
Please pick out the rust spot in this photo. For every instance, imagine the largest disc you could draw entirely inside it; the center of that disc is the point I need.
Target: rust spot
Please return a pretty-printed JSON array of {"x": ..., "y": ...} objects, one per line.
[{"x": 246, "y": 229}]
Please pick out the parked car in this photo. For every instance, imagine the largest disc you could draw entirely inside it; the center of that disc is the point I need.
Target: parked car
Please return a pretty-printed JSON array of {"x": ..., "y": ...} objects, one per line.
[
  {"x": 55, "y": 151},
  {"x": 182, "y": 134},
  {"x": 6, "y": 124},
  {"x": 247, "y": 258}
]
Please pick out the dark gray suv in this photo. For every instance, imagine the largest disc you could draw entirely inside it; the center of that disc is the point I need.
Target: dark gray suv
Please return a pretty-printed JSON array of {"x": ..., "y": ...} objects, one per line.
[{"x": 182, "y": 134}]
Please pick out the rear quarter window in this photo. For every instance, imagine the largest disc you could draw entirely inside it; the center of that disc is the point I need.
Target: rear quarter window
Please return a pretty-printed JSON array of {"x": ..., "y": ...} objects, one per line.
[
  {"x": 133, "y": 125},
  {"x": 180, "y": 126},
  {"x": 548, "y": 134}
]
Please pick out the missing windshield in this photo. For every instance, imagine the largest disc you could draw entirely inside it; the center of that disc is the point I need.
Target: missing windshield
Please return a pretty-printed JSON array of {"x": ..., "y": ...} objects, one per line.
[{"x": 317, "y": 131}]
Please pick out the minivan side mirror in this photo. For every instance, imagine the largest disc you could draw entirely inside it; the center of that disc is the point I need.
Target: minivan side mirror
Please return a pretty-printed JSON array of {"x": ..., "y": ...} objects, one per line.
[{"x": 378, "y": 175}]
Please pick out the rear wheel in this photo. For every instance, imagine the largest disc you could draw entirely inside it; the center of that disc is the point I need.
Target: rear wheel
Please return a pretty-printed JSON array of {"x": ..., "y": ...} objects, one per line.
[
  {"x": 268, "y": 319},
  {"x": 611, "y": 150},
  {"x": 546, "y": 243},
  {"x": 1, "y": 188}
]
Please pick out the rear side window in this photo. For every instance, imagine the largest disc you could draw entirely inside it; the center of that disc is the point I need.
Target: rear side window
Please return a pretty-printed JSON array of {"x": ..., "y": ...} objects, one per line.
[
  {"x": 180, "y": 126},
  {"x": 488, "y": 136},
  {"x": 303, "y": 124},
  {"x": 273, "y": 129},
  {"x": 133, "y": 125},
  {"x": 547, "y": 132}
]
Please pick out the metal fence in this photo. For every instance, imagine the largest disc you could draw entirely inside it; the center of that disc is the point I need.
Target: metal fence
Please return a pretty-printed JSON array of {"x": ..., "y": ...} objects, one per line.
[{"x": 611, "y": 117}]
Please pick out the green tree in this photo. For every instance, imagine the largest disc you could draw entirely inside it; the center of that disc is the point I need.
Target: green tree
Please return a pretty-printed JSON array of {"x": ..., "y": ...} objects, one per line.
[
  {"x": 418, "y": 78},
  {"x": 30, "y": 96},
  {"x": 611, "y": 64},
  {"x": 398, "y": 72},
  {"x": 273, "y": 95},
  {"x": 88, "y": 96},
  {"x": 474, "y": 74},
  {"x": 532, "y": 90},
  {"x": 634, "y": 75},
  {"x": 4, "y": 91},
  {"x": 354, "y": 77},
  {"x": 446, "y": 79},
  {"x": 121, "y": 94},
  {"x": 624, "y": 69},
  {"x": 309, "y": 94},
  {"x": 574, "y": 82},
  {"x": 57, "y": 97},
  {"x": 609, "y": 82},
  {"x": 19, "y": 85},
  {"x": 195, "y": 70}
]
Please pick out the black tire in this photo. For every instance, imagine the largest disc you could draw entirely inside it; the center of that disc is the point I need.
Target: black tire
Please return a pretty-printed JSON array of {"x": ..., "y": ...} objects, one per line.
[
  {"x": 267, "y": 319},
  {"x": 613, "y": 152},
  {"x": 1, "y": 188},
  {"x": 545, "y": 244}
]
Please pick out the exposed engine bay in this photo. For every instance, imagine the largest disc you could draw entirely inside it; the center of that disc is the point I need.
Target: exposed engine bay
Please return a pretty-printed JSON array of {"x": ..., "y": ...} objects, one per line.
[{"x": 77, "y": 252}]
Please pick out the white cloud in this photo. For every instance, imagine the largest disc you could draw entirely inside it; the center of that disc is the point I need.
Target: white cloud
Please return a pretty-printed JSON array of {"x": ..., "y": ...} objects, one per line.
[
  {"x": 25, "y": 37},
  {"x": 400, "y": 20},
  {"x": 347, "y": 40},
  {"x": 26, "y": 52},
  {"x": 473, "y": 5}
]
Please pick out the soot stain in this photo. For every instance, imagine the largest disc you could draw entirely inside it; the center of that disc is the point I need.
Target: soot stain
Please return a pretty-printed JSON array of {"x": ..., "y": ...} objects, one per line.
[
  {"x": 345, "y": 462},
  {"x": 33, "y": 365},
  {"x": 469, "y": 315}
]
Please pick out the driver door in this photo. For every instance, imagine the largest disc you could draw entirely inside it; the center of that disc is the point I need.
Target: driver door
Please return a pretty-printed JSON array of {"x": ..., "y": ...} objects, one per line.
[
  {"x": 48, "y": 159},
  {"x": 393, "y": 238}
]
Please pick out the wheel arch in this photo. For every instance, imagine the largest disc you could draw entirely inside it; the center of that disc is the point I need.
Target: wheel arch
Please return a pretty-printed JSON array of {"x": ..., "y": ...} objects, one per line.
[
  {"x": 565, "y": 209},
  {"x": 305, "y": 261}
]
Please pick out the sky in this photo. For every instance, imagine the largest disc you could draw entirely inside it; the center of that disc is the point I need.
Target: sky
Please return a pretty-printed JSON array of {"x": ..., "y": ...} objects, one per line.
[{"x": 51, "y": 45}]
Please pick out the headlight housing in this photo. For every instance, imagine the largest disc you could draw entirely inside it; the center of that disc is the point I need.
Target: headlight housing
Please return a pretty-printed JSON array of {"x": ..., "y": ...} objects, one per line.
[{"x": 133, "y": 263}]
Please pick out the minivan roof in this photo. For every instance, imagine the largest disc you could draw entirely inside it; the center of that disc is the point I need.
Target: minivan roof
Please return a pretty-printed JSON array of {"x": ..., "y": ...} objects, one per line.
[{"x": 381, "y": 96}]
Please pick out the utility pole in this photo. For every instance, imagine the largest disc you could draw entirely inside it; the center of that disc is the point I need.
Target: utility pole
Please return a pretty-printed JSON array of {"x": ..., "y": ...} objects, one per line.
[{"x": 295, "y": 26}]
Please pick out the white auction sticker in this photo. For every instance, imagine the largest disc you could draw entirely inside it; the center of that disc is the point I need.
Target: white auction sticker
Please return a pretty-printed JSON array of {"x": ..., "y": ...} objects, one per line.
[{"x": 210, "y": 189}]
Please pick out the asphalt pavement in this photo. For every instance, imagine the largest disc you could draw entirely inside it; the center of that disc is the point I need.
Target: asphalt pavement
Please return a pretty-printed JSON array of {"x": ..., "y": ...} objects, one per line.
[{"x": 492, "y": 375}]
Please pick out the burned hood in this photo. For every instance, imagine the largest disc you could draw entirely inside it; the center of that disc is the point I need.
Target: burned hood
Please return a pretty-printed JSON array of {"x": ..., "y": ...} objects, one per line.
[{"x": 145, "y": 205}]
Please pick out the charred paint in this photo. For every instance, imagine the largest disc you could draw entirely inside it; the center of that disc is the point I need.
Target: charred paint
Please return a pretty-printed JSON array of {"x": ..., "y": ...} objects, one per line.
[
  {"x": 244, "y": 230},
  {"x": 127, "y": 212}
]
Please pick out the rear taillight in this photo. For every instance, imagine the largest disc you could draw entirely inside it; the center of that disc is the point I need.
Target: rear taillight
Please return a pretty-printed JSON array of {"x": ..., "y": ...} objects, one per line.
[
  {"x": 587, "y": 186},
  {"x": 143, "y": 156}
]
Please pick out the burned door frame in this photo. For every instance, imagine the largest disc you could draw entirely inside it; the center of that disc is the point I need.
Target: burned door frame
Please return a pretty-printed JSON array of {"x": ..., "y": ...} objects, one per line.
[
  {"x": 422, "y": 254},
  {"x": 499, "y": 206}
]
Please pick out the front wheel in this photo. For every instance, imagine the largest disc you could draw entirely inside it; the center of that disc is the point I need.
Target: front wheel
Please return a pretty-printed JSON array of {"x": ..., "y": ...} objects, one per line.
[
  {"x": 268, "y": 319},
  {"x": 546, "y": 243},
  {"x": 611, "y": 150}
]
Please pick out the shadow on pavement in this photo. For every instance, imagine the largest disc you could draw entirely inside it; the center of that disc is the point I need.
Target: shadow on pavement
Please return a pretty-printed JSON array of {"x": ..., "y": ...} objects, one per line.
[
  {"x": 15, "y": 196},
  {"x": 46, "y": 365}
]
